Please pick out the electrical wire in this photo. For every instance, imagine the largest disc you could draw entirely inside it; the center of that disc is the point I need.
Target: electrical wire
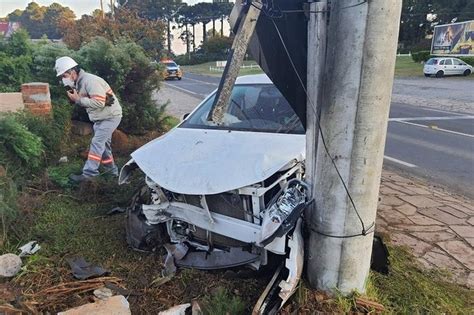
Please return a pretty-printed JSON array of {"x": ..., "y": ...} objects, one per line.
[{"x": 365, "y": 230}]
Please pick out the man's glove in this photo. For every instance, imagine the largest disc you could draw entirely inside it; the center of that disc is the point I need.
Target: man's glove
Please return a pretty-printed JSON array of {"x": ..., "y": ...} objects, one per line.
[{"x": 109, "y": 99}]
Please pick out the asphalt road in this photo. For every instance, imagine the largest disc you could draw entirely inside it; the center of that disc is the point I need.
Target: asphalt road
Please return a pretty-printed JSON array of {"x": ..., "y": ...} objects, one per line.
[{"x": 435, "y": 144}]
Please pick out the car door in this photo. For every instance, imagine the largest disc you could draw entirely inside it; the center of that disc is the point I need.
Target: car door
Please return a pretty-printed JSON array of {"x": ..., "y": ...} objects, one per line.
[
  {"x": 459, "y": 66},
  {"x": 448, "y": 66}
]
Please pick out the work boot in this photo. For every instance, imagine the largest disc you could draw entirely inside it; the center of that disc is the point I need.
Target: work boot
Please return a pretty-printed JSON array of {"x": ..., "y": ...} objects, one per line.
[{"x": 79, "y": 178}]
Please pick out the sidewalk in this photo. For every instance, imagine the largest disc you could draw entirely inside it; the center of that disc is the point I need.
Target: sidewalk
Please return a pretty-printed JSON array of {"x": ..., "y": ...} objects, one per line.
[{"x": 437, "y": 226}]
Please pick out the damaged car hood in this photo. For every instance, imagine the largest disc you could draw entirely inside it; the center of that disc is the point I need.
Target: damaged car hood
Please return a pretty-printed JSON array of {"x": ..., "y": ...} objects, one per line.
[{"x": 203, "y": 162}]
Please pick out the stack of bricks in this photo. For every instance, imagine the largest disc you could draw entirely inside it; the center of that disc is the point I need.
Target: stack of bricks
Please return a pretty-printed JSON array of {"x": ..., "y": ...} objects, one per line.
[{"x": 37, "y": 98}]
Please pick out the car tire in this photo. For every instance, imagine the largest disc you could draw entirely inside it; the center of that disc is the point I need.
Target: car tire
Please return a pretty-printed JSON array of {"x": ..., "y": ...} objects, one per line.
[
  {"x": 179, "y": 78},
  {"x": 440, "y": 74},
  {"x": 427, "y": 75},
  {"x": 467, "y": 72}
]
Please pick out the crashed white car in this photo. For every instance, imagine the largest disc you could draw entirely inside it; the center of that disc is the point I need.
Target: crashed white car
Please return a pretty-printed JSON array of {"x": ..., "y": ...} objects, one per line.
[{"x": 225, "y": 195}]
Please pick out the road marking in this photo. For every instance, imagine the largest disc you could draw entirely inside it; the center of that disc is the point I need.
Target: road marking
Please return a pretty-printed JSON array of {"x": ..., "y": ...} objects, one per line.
[
  {"x": 208, "y": 83},
  {"x": 436, "y": 128},
  {"x": 441, "y": 111},
  {"x": 184, "y": 90},
  {"x": 433, "y": 118},
  {"x": 399, "y": 161}
]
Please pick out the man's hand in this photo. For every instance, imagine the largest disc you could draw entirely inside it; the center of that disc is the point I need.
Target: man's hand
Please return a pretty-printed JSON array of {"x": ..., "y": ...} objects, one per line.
[{"x": 73, "y": 96}]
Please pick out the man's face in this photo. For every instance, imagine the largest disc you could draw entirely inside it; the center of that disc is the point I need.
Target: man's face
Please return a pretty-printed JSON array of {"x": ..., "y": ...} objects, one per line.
[{"x": 70, "y": 74}]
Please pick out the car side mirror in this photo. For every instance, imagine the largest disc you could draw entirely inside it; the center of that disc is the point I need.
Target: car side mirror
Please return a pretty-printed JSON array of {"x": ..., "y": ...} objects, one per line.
[{"x": 185, "y": 116}]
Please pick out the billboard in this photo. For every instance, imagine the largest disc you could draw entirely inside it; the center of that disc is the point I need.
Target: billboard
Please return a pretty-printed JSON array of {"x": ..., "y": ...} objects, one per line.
[{"x": 456, "y": 39}]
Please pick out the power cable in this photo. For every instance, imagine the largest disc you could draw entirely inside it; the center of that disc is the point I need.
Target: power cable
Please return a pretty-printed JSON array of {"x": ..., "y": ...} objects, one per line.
[{"x": 365, "y": 230}]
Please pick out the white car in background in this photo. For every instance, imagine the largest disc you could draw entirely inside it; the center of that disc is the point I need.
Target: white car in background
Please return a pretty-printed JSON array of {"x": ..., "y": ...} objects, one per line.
[{"x": 446, "y": 66}]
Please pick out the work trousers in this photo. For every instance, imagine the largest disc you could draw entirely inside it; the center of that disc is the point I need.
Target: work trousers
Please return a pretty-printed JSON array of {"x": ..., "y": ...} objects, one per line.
[{"x": 100, "y": 150}]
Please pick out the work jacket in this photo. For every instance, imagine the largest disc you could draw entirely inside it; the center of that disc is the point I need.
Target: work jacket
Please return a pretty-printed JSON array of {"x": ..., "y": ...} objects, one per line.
[{"x": 92, "y": 91}]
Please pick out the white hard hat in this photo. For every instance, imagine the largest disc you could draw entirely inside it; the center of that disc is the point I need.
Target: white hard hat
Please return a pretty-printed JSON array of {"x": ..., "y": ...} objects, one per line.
[{"x": 63, "y": 64}]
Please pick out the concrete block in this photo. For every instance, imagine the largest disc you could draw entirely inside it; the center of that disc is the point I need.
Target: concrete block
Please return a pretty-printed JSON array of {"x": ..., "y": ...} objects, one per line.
[{"x": 11, "y": 102}]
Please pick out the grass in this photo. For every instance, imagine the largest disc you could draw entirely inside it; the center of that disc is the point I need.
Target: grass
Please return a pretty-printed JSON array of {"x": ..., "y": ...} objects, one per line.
[
  {"x": 74, "y": 223},
  {"x": 410, "y": 289},
  {"x": 404, "y": 67},
  {"x": 71, "y": 221},
  {"x": 204, "y": 69},
  {"x": 221, "y": 302}
]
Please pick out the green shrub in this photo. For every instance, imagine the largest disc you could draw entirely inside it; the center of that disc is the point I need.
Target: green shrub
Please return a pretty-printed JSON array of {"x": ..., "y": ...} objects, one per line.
[
  {"x": 469, "y": 60},
  {"x": 15, "y": 62},
  {"x": 132, "y": 76},
  {"x": 45, "y": 55},
  {"x": 53, "y": 132},
  {"x": 222, "y": 303},
  {"x": 20, "y": 150},
  {"x": 421, "y": 56}
]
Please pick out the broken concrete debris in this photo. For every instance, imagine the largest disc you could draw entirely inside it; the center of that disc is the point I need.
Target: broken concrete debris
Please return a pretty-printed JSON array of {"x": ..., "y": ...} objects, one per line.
[
  {"x": 116, "y": 305},
  {"x": 10, "y": 265},
  {"x": 176, "y": 310},
  {"x": 103, "y": 293}
]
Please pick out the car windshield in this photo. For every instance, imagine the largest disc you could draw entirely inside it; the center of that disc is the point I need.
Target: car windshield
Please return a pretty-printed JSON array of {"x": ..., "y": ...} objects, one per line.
[
  {"x": 252, "y": 107},
  {"x": 170, "y": 64},
  {"x": 432, "y": 61}
]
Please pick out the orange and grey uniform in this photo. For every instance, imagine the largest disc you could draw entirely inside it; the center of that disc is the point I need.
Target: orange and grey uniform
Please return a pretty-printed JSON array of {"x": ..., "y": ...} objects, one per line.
[{"x": 92, "y": 91}]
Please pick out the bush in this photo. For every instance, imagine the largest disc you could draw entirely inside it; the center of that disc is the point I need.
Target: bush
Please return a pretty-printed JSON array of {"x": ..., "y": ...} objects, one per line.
[
  {"x": 421, "y": 56},
  {"x": 217, "y": 45},
  {"x": 15, "y": 62},
  {"x": 20, "y": 149},
  {"x": 132, "y": 76},
  {"x": 45, "y": 55},
  {"x": 198, "y": 58},
  {"x": 52, "y": 132},
  {"x": 468, "y": 60}
]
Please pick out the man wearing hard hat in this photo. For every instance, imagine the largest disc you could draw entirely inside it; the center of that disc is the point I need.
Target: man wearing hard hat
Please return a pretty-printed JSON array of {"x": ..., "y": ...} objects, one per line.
[{"x": 102, "y": 106}]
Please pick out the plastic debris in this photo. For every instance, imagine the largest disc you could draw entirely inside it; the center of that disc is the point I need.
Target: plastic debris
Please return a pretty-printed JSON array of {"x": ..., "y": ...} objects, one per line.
[
  {"x": 29, "y": 248},
  {"x": 82, "y": 270},
  {"x": 116, "y": 210},
  {"x": 10, "y": 265},
  {"x": 63, "y": 159}
]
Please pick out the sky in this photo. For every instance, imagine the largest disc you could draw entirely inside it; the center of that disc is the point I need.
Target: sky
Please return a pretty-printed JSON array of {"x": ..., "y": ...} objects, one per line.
[{"x": 79, "y": 7}]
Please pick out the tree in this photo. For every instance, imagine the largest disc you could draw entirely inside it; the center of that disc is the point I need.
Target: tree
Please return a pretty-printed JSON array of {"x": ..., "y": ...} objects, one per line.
[
  {"x": 148, "y": 34},
  {"x": 15, "y": 61},
  {"x": 40, "y": 20},
  {"x": 204, "y": 14},
  {"x": 415, "y": 26},
  {"x": 55, "y": 16}
]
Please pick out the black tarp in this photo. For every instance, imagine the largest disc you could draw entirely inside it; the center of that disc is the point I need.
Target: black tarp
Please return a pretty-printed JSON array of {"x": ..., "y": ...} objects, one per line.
[{"x": 267, "y": 49}]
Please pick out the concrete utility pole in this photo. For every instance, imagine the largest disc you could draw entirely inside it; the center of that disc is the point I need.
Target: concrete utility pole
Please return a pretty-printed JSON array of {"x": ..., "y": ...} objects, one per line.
[
  {"x": 317, "y": 36},
  {"x": 234, "y": 61},
  {"x": 360, "y": 60}
]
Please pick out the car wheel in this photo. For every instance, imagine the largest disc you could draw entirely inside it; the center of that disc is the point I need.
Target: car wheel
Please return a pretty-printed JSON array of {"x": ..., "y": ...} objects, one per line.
[
  {"x": 179, "y": 78},
  {"x": 467, "y": 72},
  {"x": 427, "y": 75},
  {"x": 439, "y": 74}
]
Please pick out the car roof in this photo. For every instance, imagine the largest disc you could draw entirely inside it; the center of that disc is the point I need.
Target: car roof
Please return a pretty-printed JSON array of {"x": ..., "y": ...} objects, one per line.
[{"x": 254, "y": 79}]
